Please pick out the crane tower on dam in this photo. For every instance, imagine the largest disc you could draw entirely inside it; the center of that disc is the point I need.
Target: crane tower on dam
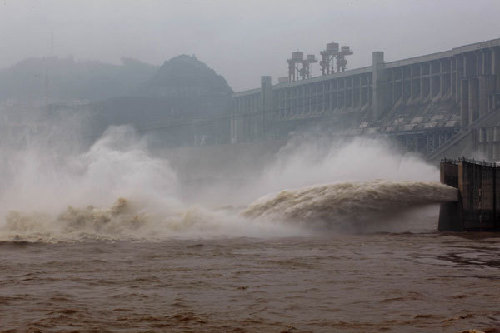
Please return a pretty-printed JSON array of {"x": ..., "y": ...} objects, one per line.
[
  {"x": 300, "y": 67},
  {"x": 334, "y": 57},
  {"x": 443, "y": 104}
]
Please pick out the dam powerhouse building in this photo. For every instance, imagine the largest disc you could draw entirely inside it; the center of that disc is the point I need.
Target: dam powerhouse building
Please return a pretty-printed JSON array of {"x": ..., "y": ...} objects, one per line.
[{"x": 440, "y": 104}]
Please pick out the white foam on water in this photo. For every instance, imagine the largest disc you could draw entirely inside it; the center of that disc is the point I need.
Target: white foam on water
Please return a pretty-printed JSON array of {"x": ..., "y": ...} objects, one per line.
[
  {"x": 341, "y": 204},
  {"x": 118, "y": 190}
]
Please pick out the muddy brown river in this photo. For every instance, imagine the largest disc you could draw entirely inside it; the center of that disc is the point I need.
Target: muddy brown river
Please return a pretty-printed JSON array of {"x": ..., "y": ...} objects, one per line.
[{"x": 379, "y": 282}]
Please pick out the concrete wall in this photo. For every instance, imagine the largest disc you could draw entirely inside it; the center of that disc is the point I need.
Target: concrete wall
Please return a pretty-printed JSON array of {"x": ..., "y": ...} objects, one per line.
[
  {"x": 476, "y": 208},
  {"x": 434, "y": 96},
  {"x": 450, "y": 218}
]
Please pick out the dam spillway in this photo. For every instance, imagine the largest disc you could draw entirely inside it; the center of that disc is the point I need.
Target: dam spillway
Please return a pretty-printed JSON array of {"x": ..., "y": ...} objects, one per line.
[{"x": 437, "y": 105}]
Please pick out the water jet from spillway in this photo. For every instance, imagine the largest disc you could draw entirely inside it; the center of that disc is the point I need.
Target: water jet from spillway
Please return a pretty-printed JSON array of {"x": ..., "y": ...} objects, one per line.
[{"x": 349, "y": 201}]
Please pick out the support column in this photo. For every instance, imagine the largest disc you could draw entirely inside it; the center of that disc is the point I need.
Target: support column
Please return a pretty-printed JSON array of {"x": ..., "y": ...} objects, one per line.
[
  {"x": 307, "y": 99},
  {"x": 483, "y": 95},
  {"x": 460, "y": 75},
  {"x": 473, "y": 99},
  {"x": 360, "y": 93},
  {"x": 323, "y": 99},
  {"x": 352, "y": 92},
  {"x": 378, "y": 88},
  {"x": 454, "y": 78},
  {"x": 267, "y": 101},
  {"x": 421, "y": 81},
  {"x": 412, "y": 90},
  {"x": 392, "y": 85},
  {"x": 441, "y": 78},
  {"x": 464, "y": 102},
  {"x": 344, "y": 94},
  {"x": 403, "y": 85},
  {"x": 431, "y": 81},
  {"x": 483, "y": 63}
]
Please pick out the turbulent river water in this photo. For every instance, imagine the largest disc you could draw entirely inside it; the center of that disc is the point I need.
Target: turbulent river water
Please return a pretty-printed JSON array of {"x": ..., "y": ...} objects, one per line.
[
  {"x": 120, "y": 270},
  {"x": 379, "y": 282},
  {"x": 112, "y": 240}
]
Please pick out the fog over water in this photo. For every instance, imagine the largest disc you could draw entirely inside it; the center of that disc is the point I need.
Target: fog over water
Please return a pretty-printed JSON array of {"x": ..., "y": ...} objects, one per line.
[
  {"x": 118, "y": 189},
  {"x": 127, "y": 206}
]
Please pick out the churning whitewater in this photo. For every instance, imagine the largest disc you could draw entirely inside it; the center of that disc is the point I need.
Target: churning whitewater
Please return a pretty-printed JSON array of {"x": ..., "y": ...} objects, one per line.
[
  {"x": 350, "y": 201},
  {"x": 330, "y": 204},
  {"x": 118, "y": 190},
  {"x": 116, "y": 238}
]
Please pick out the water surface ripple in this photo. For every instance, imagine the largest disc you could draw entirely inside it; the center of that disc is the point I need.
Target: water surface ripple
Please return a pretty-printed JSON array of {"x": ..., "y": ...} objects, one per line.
[{"x": 404, "y": 282}]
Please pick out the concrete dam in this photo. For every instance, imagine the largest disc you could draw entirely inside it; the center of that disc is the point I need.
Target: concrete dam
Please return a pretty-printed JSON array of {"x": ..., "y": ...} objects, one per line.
[{"x": 444, "y": 104}]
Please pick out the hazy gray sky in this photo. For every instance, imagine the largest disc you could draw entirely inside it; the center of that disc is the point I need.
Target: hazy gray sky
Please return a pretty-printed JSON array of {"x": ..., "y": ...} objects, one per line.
[{"x": 240, "y": 39}]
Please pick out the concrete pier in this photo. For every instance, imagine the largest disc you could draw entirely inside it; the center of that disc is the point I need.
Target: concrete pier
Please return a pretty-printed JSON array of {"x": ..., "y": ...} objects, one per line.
[{"x": 478, "y": 205}]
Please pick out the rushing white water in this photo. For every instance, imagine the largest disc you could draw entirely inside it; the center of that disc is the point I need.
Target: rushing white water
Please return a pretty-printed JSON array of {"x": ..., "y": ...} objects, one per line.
[
  {"x": 115, "y": 190},
  {"x": 350, "y": 201},
  {"x": 118, "y": 190}
]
